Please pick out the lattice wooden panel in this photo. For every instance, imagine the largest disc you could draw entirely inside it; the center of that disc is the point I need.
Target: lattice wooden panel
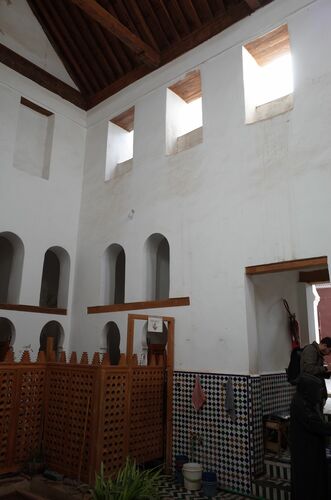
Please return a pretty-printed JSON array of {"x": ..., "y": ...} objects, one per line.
[
  {"x": 147, "y": 414},
  {"x": 68, "y": 430},
  {"x": 114, "y": 419},
  {"x": 7, "y": 393},
  {"x": 30, "y": 404}
]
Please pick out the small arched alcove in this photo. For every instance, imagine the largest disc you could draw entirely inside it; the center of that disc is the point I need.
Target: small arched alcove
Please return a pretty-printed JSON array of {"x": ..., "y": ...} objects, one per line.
[
  {"x": 7, "y": 336},
  {"x": 11, "y": 266},
  {"x": 55, "y": 278},
  {"x": 54, "y": 330},
  {"x": 158, "y": 267},
  {"x": 113, "y": 275},
  {"x": 113, "y": 340}
]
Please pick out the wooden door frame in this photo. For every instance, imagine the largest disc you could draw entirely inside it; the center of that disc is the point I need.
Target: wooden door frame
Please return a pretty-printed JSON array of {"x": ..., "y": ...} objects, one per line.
[{"x": 169, "y": 374}]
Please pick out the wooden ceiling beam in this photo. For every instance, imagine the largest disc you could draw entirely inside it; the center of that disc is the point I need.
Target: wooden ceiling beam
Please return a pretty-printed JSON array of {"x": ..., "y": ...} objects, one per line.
[
  {"x": 40, "y": 76},
  {"x": 139, "y": 23},
  {"x": 145, "y": 53},
  {"x": 254, "y": 4},
  {"x": 190, "y": 13}
]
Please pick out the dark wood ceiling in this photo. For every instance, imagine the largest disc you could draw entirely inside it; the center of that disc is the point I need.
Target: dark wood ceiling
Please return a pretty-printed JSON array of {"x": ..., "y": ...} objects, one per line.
[{"x": 107, "y": 44}]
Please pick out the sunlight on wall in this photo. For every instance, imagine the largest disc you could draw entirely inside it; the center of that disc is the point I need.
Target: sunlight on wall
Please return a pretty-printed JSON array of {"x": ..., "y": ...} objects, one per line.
[{"x": 274, "y": 80}]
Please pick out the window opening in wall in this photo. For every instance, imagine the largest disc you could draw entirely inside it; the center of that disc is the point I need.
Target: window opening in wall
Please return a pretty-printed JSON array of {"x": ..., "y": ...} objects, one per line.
[
  {"x": 113, "y": 340},
  {"x": 55, "y": 278},
  {"x": 53, "y": 330},
  {"x": 120, "y": 144},
  {"x": 184, "y": 113},
  {"x": 158, "y": 267},
  {"x": 34, "y": 138},
  {"x": 7, "y": 336},
  {"x": 113, "y": 275},
  {"x": 268, "y": 75},
  {"x": 11, "y": 266}
]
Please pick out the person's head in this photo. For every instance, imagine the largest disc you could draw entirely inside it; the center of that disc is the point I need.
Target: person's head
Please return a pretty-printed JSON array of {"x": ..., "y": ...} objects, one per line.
[
  {"x": 325, "y": 346},
  {"x": 311, "y": 389}
]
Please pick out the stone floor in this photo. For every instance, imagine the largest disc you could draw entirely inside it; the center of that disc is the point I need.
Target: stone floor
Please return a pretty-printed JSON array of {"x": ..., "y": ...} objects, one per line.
[{"x": 171, "y": 490}]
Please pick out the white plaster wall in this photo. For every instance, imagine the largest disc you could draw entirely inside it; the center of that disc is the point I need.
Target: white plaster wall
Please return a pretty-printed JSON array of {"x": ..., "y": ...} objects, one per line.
[
  {"x": 43, "y": 213},
  {"x": 21, "y": 32},
  {"x": 249, "y": 194}
]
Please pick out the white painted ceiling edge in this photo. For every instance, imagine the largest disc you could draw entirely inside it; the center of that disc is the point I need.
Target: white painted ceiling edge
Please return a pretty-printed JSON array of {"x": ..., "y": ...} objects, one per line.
[{"x": 21, "y": 32}]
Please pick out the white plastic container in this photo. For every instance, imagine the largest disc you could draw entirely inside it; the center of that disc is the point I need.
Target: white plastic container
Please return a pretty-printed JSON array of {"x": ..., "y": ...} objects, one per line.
[{"x": 192, "y": 474}]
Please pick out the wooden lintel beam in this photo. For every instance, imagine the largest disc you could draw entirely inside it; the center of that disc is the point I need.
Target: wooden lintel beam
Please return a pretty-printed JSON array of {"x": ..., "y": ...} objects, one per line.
[
  {"x": 130, "y": 306},
  {"x": 40, "y": 76},
  {"x": 312, "y": 277},
  {"x": 145, "y": 52},
  {"x": 253, "y": 4},
  {"x": 287, "y": 265}
]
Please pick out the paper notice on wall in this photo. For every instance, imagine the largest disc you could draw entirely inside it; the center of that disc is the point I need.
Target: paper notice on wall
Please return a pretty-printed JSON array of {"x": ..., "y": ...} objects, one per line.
[
  {"x": 155, "y": 324},
  {"x": 143, "y": 358}
]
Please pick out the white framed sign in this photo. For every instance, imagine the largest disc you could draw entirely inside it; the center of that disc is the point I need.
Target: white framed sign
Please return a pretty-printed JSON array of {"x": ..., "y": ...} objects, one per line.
[{"x": 155, "y": 324}]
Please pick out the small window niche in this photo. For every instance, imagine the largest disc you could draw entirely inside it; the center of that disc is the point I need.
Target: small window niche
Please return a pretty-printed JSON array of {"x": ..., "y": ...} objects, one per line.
[
  {"x": 7, "y": 337},
  {"x": 55, "y": 278},
  {"x": 268, "y": 75},
  {"x": 53, "y": 330},
  {"x": 119, "y": 158},
  {"x": 113, "y": 275},
  {"x": 158, "y": 267},
  {"x": 11, "y": 267},
  {"x": 113, "y": 341},
  {"x": 34, "y": 137},
  {"x": 184, "y": 114}
]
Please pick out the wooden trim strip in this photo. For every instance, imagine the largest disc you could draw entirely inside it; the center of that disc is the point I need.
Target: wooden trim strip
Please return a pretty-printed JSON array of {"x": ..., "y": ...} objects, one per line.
[
  {"x": 34, "y": 309},
  {"x": 130, "y": 306},
  {"x": 317, "y": 276},
  {"x": 35, "y": 107},
  {"x": 40, "y": 76},
  {"x": 287, "y": 265}
]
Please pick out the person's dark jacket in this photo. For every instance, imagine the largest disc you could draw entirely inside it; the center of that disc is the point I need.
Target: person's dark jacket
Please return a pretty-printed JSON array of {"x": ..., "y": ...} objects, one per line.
[
  {"x": 312, "y": 361},
  {"x": 308, "y": 431}
]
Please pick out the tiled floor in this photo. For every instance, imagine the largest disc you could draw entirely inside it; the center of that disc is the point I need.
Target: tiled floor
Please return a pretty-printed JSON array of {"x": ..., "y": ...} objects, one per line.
[{"x": 170, "y": 490}]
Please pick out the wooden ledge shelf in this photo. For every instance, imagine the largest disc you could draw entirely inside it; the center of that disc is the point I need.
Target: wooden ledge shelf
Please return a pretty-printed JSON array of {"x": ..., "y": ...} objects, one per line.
[
  {"x": 34, "y": 309},
  {"x": 287, "y": 265},
  {"x": 131, "y": 306}
]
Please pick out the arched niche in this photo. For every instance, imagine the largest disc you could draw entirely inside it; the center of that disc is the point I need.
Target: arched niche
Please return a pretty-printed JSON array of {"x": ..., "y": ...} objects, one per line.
[
  {"x": 55, "y": 278},
  {"x": 113, "y": 275},
  {"x": 113, "y": 340},
  {"x": 7, "y": 336},
  {"x": 54, "y": 330},
  {"x": 158, "y": 267},
  {"x": 11, "y": 267}
]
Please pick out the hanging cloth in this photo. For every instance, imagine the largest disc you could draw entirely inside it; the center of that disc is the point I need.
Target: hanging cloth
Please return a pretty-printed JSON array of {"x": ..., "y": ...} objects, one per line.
[
  {"x": 230, "y": 407},
  {"x": 198, "y": 396}
]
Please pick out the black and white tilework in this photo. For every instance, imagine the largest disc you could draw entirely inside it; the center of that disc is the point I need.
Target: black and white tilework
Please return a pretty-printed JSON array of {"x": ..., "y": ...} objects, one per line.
[
  {"x": 225, "y": 446},
  {"x": 256, "y": 429},
  {"x": 169, "y": 490},
  {"x": 277, "y": 393}
]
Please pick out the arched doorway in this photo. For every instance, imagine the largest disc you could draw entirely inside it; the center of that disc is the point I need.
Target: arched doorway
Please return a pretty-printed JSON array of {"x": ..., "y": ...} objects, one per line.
[
  {"x": 11, "y": 266},
  {"x": 113, "y": 340},
  {"x": 53, "y": 330},
  {"x": 55, "y": 278},
  {"x": 158, "y": 267},
  {"x": 113, "y": 275},
  {"x": 7, "y": 334}
]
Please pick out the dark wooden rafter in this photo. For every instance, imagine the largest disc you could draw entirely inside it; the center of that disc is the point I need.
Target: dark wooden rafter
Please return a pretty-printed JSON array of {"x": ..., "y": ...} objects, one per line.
[
  {"x": 139, "y": 24},
  {"x": 218, "y": 24},
  {"x": 178, "y": 17},
  {"x": 217, "y": 6},
  {"x": 165, "y": 21},
  {"x": 154, "y": 24},
  {"x": 190, "y": 13},
  {"x": 71, "y": 51},
  {"x": 203, "y": 10},
  {"x": 35, "y": 107},
  {"x": 40, "y": 76},
  {"x": 253, "y": 4},
  {"x": 317, "y": 276},
  {"x": 89, "y": 49},
  {"x": 69, "y": 63},
  {"x": 118, "y": 85},
  {"x": 144, "y": 52}
]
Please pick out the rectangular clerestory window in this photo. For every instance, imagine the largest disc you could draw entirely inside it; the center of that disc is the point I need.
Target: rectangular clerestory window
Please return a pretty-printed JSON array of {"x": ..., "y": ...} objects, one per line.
[
  {"x": 268, "y": 75},
  {"x": 120, "y": 144},
  {"x": 184, "y": 113}
]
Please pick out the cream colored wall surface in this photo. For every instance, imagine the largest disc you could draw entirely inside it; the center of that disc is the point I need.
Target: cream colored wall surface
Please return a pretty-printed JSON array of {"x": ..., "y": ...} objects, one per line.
[{"x": 247, "y": 195}]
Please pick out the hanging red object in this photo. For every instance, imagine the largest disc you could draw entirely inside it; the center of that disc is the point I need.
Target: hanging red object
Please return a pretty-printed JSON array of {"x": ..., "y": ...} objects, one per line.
[{"x": 294, "y": 328}]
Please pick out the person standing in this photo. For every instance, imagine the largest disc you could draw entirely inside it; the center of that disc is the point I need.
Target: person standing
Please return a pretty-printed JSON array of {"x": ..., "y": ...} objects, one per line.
[
  {"x": 312, "y": 361},
  {"x": 308, "y": 432}
]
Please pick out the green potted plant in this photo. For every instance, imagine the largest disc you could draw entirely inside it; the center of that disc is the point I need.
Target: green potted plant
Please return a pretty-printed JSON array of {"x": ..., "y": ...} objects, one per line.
[{"x": 131, "y": 483}]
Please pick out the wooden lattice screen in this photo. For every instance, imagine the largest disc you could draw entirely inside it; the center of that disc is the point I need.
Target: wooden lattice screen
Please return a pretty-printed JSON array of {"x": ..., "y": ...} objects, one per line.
[{"x": 82, "y": 415}]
